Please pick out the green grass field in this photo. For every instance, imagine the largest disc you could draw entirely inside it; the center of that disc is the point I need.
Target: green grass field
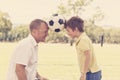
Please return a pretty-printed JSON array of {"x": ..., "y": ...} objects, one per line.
[{"x": 59, "y": 61}]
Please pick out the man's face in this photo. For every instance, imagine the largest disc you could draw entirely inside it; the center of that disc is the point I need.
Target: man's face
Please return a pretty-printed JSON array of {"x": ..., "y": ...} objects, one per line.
[
  {"x": 70, "y": 32},
  {"x": 41, "y": 32}
]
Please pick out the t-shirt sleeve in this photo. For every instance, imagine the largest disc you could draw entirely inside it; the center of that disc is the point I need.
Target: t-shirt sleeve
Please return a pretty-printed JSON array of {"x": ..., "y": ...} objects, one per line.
[
  {"x": 84, "y": 45},
  {"x": 23, "y": 54}
]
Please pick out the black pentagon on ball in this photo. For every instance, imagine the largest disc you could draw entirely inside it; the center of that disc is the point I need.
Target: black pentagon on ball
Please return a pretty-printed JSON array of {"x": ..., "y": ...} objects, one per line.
[
  {"x": 61, "y": 21},
  {"x": 51, "y": 22},
  {"x": 57, "y": 30}
]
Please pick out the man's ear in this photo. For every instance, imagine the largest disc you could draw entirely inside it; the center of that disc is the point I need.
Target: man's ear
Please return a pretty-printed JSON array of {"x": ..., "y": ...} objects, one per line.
[{"x": 33, "y": 31}]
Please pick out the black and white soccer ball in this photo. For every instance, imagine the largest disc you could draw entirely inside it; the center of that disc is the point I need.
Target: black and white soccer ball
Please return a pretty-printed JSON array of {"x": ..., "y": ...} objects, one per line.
[{"x": 56, "y": 23}]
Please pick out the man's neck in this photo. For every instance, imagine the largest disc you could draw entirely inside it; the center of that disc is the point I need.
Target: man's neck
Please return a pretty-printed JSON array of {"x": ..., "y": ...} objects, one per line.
[{"x": 34, "y": 37}]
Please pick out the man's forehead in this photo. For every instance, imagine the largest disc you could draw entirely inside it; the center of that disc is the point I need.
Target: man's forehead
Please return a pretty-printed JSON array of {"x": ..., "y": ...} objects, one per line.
[
  {"x": 43, "y": 25},
  {"x": 43, "y": 28}
]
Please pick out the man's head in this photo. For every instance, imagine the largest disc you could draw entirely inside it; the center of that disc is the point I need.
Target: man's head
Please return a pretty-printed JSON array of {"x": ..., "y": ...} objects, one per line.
[
  {"x": 39, "y": 30},
  {"x": 74, "y": 26}
]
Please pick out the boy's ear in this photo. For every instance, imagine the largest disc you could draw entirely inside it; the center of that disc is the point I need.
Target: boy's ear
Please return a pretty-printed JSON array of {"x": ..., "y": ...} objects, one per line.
[{"x": 76, "y": 29}]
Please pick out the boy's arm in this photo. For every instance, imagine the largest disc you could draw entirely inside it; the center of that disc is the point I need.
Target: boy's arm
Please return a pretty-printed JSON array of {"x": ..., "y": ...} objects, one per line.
[
  {"x": 86, "y": 65},
  {"x": 87, "y": 61}
]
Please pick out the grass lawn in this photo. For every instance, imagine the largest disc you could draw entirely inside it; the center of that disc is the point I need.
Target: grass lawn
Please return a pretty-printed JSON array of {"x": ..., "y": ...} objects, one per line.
[{"x": 59, "y": 61}]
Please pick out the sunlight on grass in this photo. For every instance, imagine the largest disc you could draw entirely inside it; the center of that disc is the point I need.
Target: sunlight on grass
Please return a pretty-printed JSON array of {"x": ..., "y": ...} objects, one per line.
[{"x": 59, "y": 61}]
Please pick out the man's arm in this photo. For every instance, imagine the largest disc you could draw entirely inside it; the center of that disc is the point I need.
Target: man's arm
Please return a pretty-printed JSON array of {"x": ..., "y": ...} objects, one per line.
[
  {"x": 40, "y": 77},
  {"x": 20, "y": 71}
]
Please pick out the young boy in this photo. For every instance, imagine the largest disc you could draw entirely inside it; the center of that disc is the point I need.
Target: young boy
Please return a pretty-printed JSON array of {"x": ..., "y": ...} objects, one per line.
[{"x": 87, "y": 62}]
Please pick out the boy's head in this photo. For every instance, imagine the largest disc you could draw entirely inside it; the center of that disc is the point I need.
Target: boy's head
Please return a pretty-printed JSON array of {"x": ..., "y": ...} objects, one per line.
[{"x": 74, "y": 26}]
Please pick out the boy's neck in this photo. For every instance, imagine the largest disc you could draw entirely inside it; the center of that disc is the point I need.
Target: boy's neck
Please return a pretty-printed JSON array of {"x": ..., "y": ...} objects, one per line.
[{"x": 78, "y": 34}]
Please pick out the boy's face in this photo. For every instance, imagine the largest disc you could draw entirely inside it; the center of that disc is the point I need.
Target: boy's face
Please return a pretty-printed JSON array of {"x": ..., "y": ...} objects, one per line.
[{"x": 70, "y": 32}]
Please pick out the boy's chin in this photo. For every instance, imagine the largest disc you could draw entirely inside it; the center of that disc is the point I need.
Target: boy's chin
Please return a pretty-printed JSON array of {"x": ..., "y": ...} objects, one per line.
[{"x": 72, "y": 37}]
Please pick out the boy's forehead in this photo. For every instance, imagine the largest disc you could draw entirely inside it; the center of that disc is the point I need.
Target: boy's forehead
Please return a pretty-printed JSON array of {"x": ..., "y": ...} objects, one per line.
[{"x": 68, "y": 27}]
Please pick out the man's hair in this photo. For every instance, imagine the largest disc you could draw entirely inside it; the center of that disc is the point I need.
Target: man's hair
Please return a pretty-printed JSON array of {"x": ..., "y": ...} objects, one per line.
[
  {"x": 36, "y": 23},
  {"x": 75, "y": 22}
]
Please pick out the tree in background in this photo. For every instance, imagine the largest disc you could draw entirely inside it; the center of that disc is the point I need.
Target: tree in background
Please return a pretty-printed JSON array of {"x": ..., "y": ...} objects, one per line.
[
  {"x": 77, "y": 8},
  {"x": 5, "y": 26},
  {"x": 73, "y": 7},
  {"x": 18, "y": 33}
]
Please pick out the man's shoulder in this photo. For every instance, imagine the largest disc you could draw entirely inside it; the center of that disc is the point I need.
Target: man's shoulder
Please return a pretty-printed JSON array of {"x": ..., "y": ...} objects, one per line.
[{"x": 24, "y": 42}]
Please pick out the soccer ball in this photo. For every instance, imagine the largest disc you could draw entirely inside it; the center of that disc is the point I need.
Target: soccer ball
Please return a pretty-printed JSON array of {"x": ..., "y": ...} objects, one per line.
[{"x": 56, "y": 23}]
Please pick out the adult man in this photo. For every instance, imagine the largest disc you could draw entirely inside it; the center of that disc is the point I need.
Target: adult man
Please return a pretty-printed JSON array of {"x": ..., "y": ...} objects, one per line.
[{"x": 24, "y": 60}]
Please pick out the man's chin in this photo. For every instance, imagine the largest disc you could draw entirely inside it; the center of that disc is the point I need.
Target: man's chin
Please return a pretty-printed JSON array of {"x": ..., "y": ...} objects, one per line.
[{"x": 43, "y": 40}]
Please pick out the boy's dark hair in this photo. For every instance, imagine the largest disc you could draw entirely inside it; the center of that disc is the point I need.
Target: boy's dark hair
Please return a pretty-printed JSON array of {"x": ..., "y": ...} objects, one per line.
[
  {"x": 75, "y": 22},
  {"x": 36, "y": 23}
]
